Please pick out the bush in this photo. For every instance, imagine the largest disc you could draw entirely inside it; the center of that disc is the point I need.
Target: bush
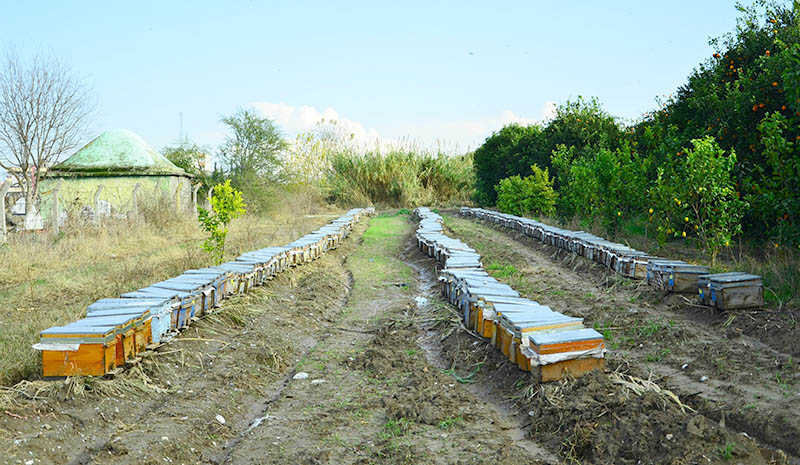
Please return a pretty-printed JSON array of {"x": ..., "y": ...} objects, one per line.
[
  {"x": 697, "y": 197},
  {"x": 499, "y": 157},
  {"x": 607, "y": 185},
  {"x": 533, "y": 194}
]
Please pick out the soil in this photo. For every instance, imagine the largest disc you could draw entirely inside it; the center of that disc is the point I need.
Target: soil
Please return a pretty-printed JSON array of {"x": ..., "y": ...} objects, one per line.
[
  {"x": 745, "y": 389},
  {"x": 355, "y": 358}
]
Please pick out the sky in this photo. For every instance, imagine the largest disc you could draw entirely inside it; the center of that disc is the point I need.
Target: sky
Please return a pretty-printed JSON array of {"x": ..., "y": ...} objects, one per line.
[{"x": 440, "y": 74}]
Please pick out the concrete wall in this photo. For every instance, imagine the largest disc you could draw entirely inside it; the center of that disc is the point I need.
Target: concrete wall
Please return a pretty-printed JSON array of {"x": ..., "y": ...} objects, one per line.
[{"x": 78, "y": 192}]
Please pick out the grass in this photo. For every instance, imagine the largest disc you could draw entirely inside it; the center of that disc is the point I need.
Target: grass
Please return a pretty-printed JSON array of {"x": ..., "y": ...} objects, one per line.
[
  {"x": 502, "y": 271},
  {"x": 402, "y": 177},
  {"x": 376, "y": 262},
  {"x": 727, "y": 451},
  {"x": 395, "y": 428},
  {"x": 449, "y": 423},
  {"x": 48, "y": 281}
]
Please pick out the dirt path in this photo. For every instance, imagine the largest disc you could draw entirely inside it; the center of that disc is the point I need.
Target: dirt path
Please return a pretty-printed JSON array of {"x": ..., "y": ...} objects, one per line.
[
  {"x": 226, "y": 392},
  {"x": 748, "y": 387}
]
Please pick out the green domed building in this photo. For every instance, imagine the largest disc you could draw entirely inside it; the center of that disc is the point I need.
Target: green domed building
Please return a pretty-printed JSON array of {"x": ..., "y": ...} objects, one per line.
[{"x": 118, "y": 160}]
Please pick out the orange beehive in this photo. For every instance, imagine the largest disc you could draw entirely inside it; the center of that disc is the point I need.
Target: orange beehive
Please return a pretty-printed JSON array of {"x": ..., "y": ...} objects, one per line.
[
  {"x": 573, "y": 352},
  {"x": 77, "y": 349}
]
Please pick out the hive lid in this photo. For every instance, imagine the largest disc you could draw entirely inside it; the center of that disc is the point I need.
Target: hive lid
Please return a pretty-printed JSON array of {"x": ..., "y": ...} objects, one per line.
[{"x": 559, "y": 337}]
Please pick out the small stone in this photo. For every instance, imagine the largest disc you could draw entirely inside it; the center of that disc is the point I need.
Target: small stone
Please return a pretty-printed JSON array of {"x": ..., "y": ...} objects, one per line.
[
  {"x": 669, "y": 436},
  {"x": 220, "y": 419},
  {"x": 684, "y": 366},
  {"x": 317, "y": 381},
  {"x": 164, "y": 438},
  {"x": 29, "y": 462},
  {"x": 301, "y": 375},
  {"x": 703, "y": 379}
]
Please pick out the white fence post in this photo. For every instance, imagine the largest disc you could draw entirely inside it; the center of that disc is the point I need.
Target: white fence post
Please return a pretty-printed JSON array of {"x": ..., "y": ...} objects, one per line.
[
  {"x": 97, "y": 204},
  {"x": 3, "y": 190},
  {"x": 54, "y": 211},
  {"x": 135, "y": 200},
  {"x": 194, "y": 198}
]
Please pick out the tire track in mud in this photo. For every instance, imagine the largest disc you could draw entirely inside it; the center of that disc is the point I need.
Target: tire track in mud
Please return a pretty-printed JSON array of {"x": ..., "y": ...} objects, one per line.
[{"x": 377, "y": 399}]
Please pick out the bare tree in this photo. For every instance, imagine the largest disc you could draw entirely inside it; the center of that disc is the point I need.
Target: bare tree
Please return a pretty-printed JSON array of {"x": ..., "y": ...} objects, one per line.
[{"x": 44, "y": 113}]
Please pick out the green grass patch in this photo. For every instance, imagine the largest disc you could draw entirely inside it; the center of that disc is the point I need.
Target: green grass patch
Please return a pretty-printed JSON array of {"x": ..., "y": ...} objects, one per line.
[{"x": 500, "y": 270}]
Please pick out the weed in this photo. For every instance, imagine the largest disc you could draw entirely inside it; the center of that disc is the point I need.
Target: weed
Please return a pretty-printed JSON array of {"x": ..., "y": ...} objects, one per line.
[
  {"x": 411, "y": 352},
  {"x": 502, "y": 271},
  {"x": 727, "y": 452},
  {"x": 394, "y": 428},
  {"x": 657, "y": 356},
  {"x": 470, "y": 378},
  {"x": 450, "y": 422}
]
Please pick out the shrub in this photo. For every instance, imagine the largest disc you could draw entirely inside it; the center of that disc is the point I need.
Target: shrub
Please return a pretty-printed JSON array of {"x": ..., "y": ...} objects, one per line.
[
  {"x": 226, "y": 205},
  {"x": 698, "y": 197},
  {"x": 605, "y": 184},
  {"x": 533, "y": 194}
]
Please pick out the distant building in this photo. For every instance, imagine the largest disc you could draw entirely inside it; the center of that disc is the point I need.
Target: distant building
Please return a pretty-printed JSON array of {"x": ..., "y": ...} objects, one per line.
[{"x": 118, "y": 160}]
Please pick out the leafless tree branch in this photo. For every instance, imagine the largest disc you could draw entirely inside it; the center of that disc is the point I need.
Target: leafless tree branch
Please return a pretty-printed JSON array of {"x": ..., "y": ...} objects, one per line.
[{"x": 44, "y": 113}]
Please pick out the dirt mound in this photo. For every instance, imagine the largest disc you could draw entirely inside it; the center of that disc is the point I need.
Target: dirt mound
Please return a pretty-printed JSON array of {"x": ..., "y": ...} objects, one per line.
[{"x": 594, "y": 420}]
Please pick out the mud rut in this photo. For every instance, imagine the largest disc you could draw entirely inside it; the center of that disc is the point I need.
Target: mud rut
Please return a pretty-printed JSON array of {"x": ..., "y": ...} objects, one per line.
[{"x": 383, "y": 356}]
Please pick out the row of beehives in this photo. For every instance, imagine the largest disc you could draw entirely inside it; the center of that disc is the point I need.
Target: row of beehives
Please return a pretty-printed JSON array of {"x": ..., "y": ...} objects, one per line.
[
  {"x": 533, "y": 336},
  {"x": 115, "y": 331},
  {"x": 725, "y": 291}
]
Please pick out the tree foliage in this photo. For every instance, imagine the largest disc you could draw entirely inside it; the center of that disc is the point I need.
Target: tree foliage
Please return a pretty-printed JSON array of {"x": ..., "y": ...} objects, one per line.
[
  {"x": 226, "y": 205},
  {"x": 193, "y": 159},
  {"x": 253, "y": 149},
  {"x": 533, "y": 194},
  {"x": 579, "y": 123},
  {"x": 705, "y": 201}
]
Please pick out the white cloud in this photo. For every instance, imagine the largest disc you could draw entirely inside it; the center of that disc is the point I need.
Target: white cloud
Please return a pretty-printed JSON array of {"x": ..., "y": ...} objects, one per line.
[
  {"x": 455, "y": 134},
  {"x": 294, "y": 120}
]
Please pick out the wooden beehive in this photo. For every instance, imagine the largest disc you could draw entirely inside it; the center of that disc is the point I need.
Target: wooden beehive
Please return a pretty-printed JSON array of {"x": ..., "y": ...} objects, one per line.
[
  {"x": 142, "y": 324},
  {"x": 573, "y": 352},
  {"x": 78, "y": 350},
  {"x": 729, "y": 291},
  {"x": 160, "y": 312},
  {"x": 125, "y": 327},
  {"x": 683, "y": 278}
]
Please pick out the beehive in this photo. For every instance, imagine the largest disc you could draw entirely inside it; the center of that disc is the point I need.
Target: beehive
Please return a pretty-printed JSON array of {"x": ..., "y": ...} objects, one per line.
[
  {"x": 730, "y": 291},
  {"x": 160, "y": 312},
  {"x": 125, "y": 328},
  {"x": 142, "y": 323},
  {"x": 78, "y": 350},
  {"x": 683, "y": 278},
  {"x": 554, "y": 354}
]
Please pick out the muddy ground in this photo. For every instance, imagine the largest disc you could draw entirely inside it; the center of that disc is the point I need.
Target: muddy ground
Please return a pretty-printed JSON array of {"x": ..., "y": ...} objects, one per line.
[
  {"x": 750, "y": 388},
  {"x": 387, "y": 375}
]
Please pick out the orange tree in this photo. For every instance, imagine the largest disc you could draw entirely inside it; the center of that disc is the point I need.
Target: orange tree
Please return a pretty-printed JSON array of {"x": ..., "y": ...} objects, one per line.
[
  {"x": 695, "y": 196},
  {"x": 755, "y": 73}
]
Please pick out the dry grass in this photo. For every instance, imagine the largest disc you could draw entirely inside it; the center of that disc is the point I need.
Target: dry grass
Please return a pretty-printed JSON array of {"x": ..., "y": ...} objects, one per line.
[{"x": 48, "y": 281}]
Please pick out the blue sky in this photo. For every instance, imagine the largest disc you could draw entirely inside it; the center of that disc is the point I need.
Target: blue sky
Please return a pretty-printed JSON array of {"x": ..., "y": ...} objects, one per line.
[{"x": 428, "y": 71}]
